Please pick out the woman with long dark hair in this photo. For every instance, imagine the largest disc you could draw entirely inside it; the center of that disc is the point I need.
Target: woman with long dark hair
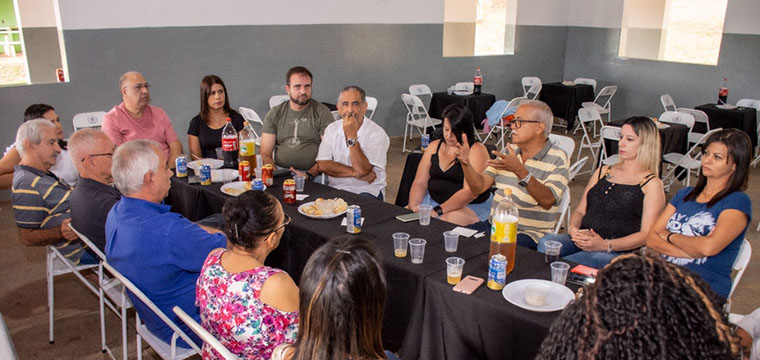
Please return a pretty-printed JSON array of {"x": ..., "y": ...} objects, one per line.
[
  {"x": 250, "y": 307},
  {"x": 440, "y": 180},
  {"x": 702, "y": 227},
  {"x": 204, "y": 134}
]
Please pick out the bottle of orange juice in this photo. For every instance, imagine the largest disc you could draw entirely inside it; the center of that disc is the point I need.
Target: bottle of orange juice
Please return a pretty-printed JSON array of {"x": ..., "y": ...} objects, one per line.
[{"x": 504, "y": 230}]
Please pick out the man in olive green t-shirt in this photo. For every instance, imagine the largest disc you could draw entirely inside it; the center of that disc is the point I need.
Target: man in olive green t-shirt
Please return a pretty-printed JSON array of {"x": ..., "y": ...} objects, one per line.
[{"x": 293, "y": 129}]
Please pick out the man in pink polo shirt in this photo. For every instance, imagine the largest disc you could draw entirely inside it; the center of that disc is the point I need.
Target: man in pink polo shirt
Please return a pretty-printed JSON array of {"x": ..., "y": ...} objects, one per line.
[{"x": 136, "y": 119}]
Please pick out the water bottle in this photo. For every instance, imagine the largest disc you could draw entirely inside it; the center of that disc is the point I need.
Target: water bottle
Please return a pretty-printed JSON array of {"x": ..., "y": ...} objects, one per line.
[
  {"x": 248, "y": 144},
  {"x": 504, "y": 230},
  {"x": 230, "y": 145},
  {"x": 477, "y": 80},
  {"x": 723, "y": 92}
]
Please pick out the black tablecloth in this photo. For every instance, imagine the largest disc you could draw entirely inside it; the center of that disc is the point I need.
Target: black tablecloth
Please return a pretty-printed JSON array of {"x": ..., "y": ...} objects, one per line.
[
  {"x": 478, "y": 104},
  {"x": 565, "y": 100},
  {"x": 741, "y": 118}
]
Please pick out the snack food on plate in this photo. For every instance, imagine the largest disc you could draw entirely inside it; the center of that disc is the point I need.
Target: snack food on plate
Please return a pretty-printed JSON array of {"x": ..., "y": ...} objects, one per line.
[{"x": 326, "y": 206}]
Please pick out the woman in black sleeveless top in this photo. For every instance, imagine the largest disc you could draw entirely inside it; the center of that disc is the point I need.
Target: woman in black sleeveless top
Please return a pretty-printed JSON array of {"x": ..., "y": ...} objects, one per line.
[
  {"x": 620, "y": 203},
  {"x": 440, "y": 181}
]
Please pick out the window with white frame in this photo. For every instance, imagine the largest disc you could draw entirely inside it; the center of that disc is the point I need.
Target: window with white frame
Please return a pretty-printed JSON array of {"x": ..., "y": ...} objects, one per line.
[{"x": 479, "y": 27}]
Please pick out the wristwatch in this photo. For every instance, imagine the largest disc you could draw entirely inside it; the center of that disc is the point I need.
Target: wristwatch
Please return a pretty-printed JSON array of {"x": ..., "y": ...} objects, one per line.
[
  {"x": 438, "y": 210},
  {"x": 351, "y": 142},
  {"x": 524, "y": 181}
]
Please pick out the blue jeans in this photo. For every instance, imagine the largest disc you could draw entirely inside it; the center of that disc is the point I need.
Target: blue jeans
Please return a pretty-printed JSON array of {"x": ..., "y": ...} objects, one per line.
[
  {"x": 379, "y": 196},
  {"x": 594, "y": 259},
  {"x": 482, "y": 210}
]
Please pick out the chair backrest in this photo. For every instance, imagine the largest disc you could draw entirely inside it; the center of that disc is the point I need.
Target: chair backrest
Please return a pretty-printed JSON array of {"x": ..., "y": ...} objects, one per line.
[
  {"x": 576, "y": 167},
  {"x": 674, "y": 117},
  {"x": 588, "y": 114},
  {"x": 564, "y": 208},
  {"x": 667, "y": 103},
  {"x": 420, "y": 89},
  {"x": 335, "y": 115},
  {"x": 141, "y": 296},
  {"x": 749, "y": 103},
  {"x": 277, "y": 100},
  {"x": 605, "y": 95},
  {"x": 88, "y": 120},
  {"x": 699, "y": 116},
  {"x": 531, "y": 85},
  {"x": 586, "y": 81},
  {"x": 371, "y": 106},
  {"x": 740, "y": 264},
  {"x": 566, "y": 143},
  {"x": 250, "y": 115},
  {"x": 204, "y": 334},
  {"x": 464, "y": 86},
  {"x": 610, "y": 132},
  {"x": 89, "y": 243},
  {"x": 415, "y": 107}
]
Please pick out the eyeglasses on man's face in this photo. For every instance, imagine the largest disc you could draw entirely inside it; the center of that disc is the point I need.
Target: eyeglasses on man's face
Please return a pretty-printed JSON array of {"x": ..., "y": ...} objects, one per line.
[{"x": 517, "y": 123}]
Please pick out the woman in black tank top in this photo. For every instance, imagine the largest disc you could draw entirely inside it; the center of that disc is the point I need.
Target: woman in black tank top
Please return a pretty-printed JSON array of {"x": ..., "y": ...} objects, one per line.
[
  {"x": 440, "y": 181},
  {"x": 620, "y": 202}
]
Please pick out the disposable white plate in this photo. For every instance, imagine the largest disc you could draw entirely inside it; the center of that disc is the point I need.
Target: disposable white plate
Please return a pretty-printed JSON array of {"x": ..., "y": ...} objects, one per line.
[
  {"x": 557, "y": 298},
  {"x": 462, "y": 92},
  {"x": 224, "y": 175},
  {"x": 726, "y": 107},
  {"x": 214, "y": 163},
  {"x": 236, "y": 188},
  {"x": 568, "y": 83},
  {"x": 327, "y": 216}
]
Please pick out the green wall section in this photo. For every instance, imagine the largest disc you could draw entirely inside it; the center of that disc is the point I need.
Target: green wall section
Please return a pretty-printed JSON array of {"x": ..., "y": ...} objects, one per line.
[{"x": 8, "y": 19}]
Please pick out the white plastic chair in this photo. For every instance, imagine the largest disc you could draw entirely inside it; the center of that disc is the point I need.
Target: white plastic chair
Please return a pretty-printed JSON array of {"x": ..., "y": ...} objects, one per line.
[
  {"x": 164, "y": 350},
  {"x": 566, "y": 143},
  {"x": 465, "y": 86},
  {"x": 416, "y": 117},
  {"x": 7, "y": 350},
  {"x": 689, "y": 162},
  {"x": 586, "y": 81},
  {"x": 667, "y": 103},
  {"x": 252, "y": 117},
  {"x": 277, "y": 100},
  {"x": 502, "y": 128},
  {"x": 587, "y": 117},
  {"x": 335, "y": 115},
  {"x": 531, "y": 85},
  {"x": 109, "y": 294},
  {"x": 564, "y": 209},
  {"x": 609, "y": 133},
  {"x": 371, "y": 106},
  {"x": 88, "y": 120},
  {"x": 685, "y": 119},
  {"x": 750, "y": 103},
  {"x": 699, "y": 117},
  {"x": 420, "y": 90},
  {"x": 740, "y": 264},
  {"x": 602, "y": 102},
  {"x": 576, "y": 167},
  {"x": 204, "y": 335},
  {"x": 57, "y": 264}
]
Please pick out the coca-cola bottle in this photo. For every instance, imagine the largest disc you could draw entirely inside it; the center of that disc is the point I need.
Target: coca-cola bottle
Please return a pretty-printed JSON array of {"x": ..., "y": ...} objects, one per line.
[
  {"x": 230, "y": 145},
  {"x": 723, "y": 92},
  {"x": 477, "y": 80}
]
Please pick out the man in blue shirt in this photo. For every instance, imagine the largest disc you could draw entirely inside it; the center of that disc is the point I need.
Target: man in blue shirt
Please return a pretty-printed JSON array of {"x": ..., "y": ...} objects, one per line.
[{"x": 159, "y": 251}]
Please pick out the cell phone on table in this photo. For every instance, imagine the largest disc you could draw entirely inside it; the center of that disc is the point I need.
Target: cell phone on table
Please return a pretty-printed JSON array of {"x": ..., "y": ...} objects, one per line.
[
  {"x": 468, "y": 285},
  {"x": 409, "y": 217}
]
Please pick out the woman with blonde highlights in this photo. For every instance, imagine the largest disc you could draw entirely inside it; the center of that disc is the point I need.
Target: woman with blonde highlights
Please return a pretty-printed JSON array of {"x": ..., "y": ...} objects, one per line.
[{"x": 620, "y": 202}]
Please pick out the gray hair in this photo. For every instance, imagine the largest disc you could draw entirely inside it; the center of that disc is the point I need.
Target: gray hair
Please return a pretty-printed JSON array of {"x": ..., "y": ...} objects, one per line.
[
  {"x": 354, "y": 88},
  {"x": 540, "y": 111},
  {"x": 131, "y": 161},
  {"x": 83, "y": 140},
  {"x": 31, "y": 131}
]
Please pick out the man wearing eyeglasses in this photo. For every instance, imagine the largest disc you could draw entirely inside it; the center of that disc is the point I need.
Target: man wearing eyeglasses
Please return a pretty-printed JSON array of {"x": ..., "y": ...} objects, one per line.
[
  {"x": 135, "y": 118},
  {"x": 535, "y": 169},
  {"x": 94, "y": 195}
]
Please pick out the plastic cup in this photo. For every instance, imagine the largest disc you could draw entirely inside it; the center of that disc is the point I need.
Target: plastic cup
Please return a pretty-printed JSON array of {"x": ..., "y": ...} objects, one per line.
[
  {"x": 300, "y": 181},
  {"x": 450, "y": 90},
  {"x": 551, "y": 254},
  {"x": 257, "y": 172},
  {"x": 450, "y": 240},
  {"x": 417, "y": 248},
  {"x": 535, "y": 295},
  {"x": 559, "y": 272},
  {"x": 425, "y": 210},
  {"x": 454, "y": 267},
  {"x": 219, "y": 153},
  {"x": 400, "y": 244}
]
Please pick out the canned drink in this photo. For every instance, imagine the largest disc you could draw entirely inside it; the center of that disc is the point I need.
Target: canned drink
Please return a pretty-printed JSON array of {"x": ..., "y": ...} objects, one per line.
[
  {"x": 205, "y": 174},
  {"x": 425, "y": 141},
  {"x": 180, "y": 165},
  {"x": 267, "y": 174},
  {"x": 353, "y": 219},
  {"x": 497, "y": 272},
  {"x": 257, "y": 184},
  {"x": 244, "y": 170},
  {"x": 289, "y": 191}
]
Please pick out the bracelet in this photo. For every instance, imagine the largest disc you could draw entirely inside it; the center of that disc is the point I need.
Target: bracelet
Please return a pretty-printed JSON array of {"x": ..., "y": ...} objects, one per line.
[
  {"x": 668, "y": 238},
  {"x": 609, "y": 245},
  {"x": 310, "y": 176},
  {"x": 438, "y": 210}
]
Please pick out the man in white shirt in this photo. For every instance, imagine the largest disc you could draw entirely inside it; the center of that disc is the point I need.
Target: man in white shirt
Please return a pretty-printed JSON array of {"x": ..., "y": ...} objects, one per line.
[{"x": 354, "y": 149}]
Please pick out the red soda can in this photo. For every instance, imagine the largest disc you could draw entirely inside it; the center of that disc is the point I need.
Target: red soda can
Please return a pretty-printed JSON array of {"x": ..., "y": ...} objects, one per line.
[
  {"x": 244, "y": 169},
  {"x": 267, "y": 174},
  {"x": 289, "y": 191}
]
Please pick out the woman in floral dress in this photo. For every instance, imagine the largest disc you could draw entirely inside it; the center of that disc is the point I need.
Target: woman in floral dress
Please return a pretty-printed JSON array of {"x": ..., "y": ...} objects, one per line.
[{"x": 251, "y": 308}]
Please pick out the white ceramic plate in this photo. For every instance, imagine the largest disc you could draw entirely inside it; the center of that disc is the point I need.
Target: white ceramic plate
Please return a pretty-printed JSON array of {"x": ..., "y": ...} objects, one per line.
[
  {"x": 726, "y": 107},
  {"x": 214, "y": 163},
  {"x": 463, "y": 92},
  {"x": 328, "y": 216},
  {"x": 557, "y": 298},
  {"x": 236, "y": 188}
]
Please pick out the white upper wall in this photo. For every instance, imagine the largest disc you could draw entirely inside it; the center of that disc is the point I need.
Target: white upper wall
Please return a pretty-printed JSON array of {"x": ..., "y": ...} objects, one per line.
[
  {"x": 741, "y": 15},
  {"x": 37, "y": 13}
]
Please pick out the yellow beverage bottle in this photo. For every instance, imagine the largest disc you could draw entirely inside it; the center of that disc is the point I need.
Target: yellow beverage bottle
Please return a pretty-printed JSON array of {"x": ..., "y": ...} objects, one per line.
[
  {"x": 248, "y": 145},
  {"x": 504, "y": 230}
]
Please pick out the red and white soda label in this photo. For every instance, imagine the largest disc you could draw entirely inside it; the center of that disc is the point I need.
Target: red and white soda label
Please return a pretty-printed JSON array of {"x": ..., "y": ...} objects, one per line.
[
  {"x": 723, "y": 92},
  {"x": 478, "y": 80},
  {"x": 229, "y": 144}
]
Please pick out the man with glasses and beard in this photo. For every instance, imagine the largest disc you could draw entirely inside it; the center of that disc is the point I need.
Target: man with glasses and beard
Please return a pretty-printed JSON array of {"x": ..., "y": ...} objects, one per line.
[
  {"x": 535, "y": 169},
  {"x": 293, "y": 129}
]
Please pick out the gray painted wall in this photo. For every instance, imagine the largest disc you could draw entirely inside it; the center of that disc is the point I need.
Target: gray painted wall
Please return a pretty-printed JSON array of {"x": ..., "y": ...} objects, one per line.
[
  {"x": 592, "y": 52},
  {"x": 43, "y": 54}
]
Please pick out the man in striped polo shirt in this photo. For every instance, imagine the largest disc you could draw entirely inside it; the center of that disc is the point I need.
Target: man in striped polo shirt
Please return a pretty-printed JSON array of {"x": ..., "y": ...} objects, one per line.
[
  {"x": 534, "y": 168},
  {"x": 40, "y": 199}
]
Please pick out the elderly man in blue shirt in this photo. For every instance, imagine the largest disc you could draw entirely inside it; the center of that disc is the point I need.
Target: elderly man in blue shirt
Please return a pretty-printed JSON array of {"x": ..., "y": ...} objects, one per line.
[{"x": 159, "y": 251}]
